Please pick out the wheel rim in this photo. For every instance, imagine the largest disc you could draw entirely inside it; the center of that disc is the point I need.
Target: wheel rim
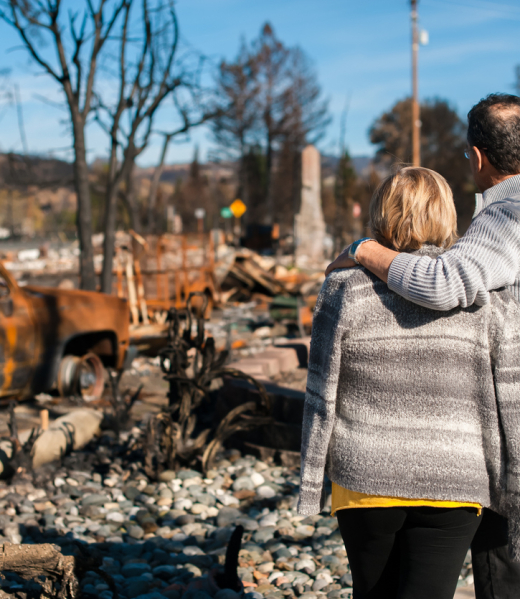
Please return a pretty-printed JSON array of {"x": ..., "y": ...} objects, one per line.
[
  {"x": 89, "y": 376},
  {"x": 81, "y": 376},
  {"x": 67, "y": 375}
]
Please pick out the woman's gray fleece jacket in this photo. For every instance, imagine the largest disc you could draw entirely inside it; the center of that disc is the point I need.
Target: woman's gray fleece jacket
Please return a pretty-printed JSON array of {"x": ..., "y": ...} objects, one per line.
[{"x": 409, "y": 402}]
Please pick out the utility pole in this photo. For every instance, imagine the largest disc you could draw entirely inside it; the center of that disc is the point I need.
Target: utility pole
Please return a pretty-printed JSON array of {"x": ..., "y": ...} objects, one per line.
[{"x": 416, "y": 117}]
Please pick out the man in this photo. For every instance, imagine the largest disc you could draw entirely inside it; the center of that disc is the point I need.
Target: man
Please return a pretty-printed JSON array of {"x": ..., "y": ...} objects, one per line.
[{"x": 487, "y": 257}]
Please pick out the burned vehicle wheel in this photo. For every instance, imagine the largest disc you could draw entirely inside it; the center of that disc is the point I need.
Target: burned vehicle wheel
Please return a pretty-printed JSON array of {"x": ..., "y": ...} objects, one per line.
[{"x": 81, "y": 376}]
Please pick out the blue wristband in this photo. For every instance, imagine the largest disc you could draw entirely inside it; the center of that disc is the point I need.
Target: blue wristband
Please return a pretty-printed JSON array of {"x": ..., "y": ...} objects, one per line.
[{"x": 353, "y": 247}]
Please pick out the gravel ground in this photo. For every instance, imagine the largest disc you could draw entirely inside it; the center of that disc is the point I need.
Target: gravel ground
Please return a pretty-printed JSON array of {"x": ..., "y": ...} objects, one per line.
[{"x": 164, "y": 538}]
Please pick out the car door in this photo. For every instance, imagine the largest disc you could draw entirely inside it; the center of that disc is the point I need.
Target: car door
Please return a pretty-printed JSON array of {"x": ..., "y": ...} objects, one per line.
[{"x": 17, "y": 338}]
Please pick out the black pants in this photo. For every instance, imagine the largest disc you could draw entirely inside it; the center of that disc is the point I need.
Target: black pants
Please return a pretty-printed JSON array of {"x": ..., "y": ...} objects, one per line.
[
  {"x": 496, "y": 576},
  {"x": 406, "y": 553}
]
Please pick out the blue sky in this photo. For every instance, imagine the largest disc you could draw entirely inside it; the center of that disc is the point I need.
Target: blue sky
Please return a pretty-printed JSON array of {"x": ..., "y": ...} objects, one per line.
[{"x": 359, "y": 49}]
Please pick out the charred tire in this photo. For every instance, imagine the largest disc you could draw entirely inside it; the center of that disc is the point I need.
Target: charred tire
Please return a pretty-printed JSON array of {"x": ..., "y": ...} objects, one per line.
[{"x": 81, "y": 376}]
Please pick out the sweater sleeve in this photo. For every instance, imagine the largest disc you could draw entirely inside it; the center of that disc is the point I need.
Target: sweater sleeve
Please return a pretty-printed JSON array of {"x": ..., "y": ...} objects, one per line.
[
  {"x": 505, "y": 354},
  {"x": 487, "y": 257},
  {"x": 328, "y": 328}
]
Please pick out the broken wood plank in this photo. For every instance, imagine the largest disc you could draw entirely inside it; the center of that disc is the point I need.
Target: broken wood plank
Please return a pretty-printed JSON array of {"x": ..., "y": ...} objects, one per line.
[
  {"x": 140, "y": 292},
  {"x": 34, "y": 561},
  {"x": 132, "y": 295}
]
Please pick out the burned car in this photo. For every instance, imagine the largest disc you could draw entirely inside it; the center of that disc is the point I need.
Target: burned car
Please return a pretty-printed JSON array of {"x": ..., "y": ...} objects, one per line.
[{"x": 58, "y": 339}]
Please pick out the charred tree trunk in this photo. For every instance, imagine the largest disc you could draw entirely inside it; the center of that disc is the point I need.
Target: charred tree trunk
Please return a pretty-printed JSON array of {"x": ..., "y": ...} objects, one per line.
[
  {"x": 84, "y": 210},
  {"x": 268, "y": 182},
  {"x": 114, "y": 181},
  {"x": 110, "y": 237},
  {"x": 154, "y": 186},
  {"x": 129, "y": 199},
  {"x": 243, "y": 187}
]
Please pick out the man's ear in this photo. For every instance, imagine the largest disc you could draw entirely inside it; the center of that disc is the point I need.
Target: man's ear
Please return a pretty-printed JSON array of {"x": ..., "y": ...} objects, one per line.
[{"x": 480, "y": 157}]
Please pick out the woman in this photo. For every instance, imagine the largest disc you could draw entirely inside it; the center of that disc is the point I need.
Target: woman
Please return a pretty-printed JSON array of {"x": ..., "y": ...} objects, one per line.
[{"x": 414, "y": 414}]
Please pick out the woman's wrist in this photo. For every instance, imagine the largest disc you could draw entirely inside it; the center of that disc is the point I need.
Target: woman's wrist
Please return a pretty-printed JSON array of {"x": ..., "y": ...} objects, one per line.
[{"x": 376, "y": 258}]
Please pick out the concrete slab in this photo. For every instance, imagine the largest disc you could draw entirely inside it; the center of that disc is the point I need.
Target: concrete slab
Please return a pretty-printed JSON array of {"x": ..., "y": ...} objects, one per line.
[
  {"x": 255, "y": 369},
  {"x": 302, "y": 347},
  {"x": 270, "y": 365},
  {"x": 465, "y": 593},
  {"x": 286, "y": 356}
]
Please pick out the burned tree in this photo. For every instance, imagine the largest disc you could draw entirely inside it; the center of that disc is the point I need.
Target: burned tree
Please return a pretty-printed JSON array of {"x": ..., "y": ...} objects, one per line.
[
  {"x": 235, "y": 125},
  {"x": 139, "y": 39},
  {"x": 149, "y": 70},
  {"x": 77, "y": 37},
  {"x": 270, "y": 99},
  {"x": 193, "y": 111}
]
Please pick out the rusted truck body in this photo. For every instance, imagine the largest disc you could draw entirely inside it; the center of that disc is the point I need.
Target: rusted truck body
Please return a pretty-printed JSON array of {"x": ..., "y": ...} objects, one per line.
[{"x": 58, "y": 338}]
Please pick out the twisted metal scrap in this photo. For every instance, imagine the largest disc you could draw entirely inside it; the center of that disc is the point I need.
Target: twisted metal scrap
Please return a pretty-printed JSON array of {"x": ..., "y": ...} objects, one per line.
[{"x": 170, "y": 435}]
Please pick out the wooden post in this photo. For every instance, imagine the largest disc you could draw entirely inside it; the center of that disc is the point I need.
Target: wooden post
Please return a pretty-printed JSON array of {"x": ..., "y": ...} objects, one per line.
[
  {"x": 158, "y": 274},
  {"x": 140, "y": 292},
  {"x": 132, "y": 296},
  {"x": 44, "y": 419},
  {"x": 185, "y": 266},
  {"x": 119, "y": 274}
]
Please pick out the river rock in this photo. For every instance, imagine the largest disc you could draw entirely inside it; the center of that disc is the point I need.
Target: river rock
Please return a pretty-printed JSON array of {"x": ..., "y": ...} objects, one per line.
[
  {"x": 136, "y": 569},
  {"x": 265, "y": 492},
  {"x": 227, "y": 516}
]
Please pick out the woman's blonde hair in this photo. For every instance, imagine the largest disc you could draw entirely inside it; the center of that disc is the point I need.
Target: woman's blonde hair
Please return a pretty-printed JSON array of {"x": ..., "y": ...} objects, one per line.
[{"x": 412, "y": 207}]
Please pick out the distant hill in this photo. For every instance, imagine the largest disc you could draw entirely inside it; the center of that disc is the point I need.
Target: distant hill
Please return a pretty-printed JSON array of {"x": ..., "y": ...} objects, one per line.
[
  {"x": 228, "y": 169},
  {"x": 20, "y": 171},
  {"x": 174, "y": 172}
]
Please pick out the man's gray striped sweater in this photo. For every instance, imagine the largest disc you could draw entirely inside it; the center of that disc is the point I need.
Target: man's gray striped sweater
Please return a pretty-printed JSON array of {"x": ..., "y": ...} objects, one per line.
[
  {"x": 409, "y": 402},
  {"x": 487, "y": 257}
]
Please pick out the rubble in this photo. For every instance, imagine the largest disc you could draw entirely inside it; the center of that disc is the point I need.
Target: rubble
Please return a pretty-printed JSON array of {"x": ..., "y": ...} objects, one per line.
[
  {"x": 155, "y": 273},
  {"x": 186, "y": 432},
  {"x": 148, "y": 508},
  {"x": 49, "y": 338},
  {"x": 164, "y": 533},
  {"x": 246, "y": 279}
]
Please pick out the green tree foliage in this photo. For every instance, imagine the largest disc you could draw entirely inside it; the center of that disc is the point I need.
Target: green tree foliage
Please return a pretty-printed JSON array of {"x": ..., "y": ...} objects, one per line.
[{"x": 443, "y": 140}]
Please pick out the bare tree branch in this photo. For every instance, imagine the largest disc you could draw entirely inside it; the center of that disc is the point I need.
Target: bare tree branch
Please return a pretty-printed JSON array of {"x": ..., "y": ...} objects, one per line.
[
  {"x": 153, "y": 79},
  {"x": 15, "y": 22}
]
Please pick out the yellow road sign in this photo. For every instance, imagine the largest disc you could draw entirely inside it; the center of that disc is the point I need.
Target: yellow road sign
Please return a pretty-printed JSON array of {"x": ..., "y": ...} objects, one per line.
[{"x": 238, "y": 208}]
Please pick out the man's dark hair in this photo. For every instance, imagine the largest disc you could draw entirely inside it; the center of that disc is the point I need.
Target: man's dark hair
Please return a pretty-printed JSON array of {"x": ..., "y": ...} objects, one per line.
[{"x": 494, "y": 128}]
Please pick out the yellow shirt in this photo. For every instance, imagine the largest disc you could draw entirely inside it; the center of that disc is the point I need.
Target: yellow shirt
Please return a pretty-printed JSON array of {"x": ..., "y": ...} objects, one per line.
[{"x": 343, "y": 499}]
